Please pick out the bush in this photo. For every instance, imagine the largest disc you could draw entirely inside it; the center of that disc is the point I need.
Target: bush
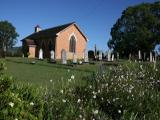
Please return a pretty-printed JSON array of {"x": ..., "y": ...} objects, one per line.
[
  {"x": 128, "y": 91},
  {"x": 18, "y": 102}
]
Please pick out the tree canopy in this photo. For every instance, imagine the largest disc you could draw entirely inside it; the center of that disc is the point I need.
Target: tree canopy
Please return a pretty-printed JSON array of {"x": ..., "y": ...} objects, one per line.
[
  {"x": 137, "y": 29},
  {"x": 8, "y": 35}
]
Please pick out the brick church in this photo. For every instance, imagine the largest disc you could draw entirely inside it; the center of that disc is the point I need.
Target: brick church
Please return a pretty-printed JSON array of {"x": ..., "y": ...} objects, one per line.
[{"x": 66, "y": 37}]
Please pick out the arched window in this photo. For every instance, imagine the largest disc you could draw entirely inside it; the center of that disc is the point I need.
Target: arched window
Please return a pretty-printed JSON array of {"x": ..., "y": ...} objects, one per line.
[{"x": 72, "y": 45}]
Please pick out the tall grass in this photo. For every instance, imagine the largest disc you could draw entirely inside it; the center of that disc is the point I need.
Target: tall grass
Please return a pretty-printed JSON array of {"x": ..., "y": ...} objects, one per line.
[{"x": 129, "y": 91}]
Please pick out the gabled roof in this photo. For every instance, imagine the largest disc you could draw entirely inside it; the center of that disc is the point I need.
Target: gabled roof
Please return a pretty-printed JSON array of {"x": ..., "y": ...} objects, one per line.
[
  {"x": 30, "y": 42},
  {"x": 51, "y": 32}
]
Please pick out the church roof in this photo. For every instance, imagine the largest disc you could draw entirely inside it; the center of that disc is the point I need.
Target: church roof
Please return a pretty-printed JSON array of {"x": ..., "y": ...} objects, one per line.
[{"x": 51, "y": 32}]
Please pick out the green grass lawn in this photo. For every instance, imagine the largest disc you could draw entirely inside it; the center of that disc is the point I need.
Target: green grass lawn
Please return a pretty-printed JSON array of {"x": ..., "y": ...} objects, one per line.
[{"x": 42, "y": 73}]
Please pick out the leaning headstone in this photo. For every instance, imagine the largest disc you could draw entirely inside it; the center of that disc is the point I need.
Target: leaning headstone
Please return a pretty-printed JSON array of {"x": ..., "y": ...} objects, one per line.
[
  {"x": 74, "y": 58},
  {"x": 150, "y": 57},
  {"x": 63, "y": 57},
  {"x": 112, "y": 57},
  {"x": 86, "y": 56},
  {"x": 52, "y": 56},
  {"x": 100, "y": 55},
  {"x": 40, "y": 54},
  {"x": 109, "y": 55}
]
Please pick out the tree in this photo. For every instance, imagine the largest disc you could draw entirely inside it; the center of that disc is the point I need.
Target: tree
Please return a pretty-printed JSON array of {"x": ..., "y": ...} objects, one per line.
[
  {"x": 137, "y": 29},
  {"x": 91, "y": 54},
  {"x": 8, "y": 36}
]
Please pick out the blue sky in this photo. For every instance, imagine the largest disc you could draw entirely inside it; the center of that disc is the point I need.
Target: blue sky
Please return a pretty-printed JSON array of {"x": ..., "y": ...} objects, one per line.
[{"x": 94, "y": 17}]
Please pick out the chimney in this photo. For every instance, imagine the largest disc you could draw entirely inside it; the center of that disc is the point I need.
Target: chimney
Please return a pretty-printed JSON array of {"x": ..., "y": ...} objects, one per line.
[{"x": 37, "y": 28}]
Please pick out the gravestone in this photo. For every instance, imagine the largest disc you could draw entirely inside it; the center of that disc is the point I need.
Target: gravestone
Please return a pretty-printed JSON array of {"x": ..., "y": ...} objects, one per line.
[
  {"x": 144, "y": 56},
  {"x": 117, "y": 56},
  {"x": 109, "y": 56},
  {"x": 130, "y": 55},
  {"x": 41, "y": 54},
  {"x": 150, "y": 57},
  {"x": 100, "y": 55},
  {"x": 52, "y": 56},
  {"x": 112, "y": 57},
  {"x": 86, "y": 56},
  {"x": 156, "y": 55},
  {"x": 74, "y": 58},
  {"x": 63, "y": 57},
  {"x": 139, "y": 55}
]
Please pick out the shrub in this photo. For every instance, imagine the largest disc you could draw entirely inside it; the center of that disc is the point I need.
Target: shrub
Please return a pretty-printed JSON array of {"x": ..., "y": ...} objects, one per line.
[
  {"x": 18, "y": 102},
  {"x": 128, "y": 91}
]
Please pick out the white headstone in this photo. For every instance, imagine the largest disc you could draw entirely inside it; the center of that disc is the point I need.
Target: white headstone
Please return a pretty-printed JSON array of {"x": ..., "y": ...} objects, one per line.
[
  {"x": 109, "y": 55},
  {"x": 117, "y": 56},
  {"x": 130, "y": 55},
  {"x": 139, "y": 55},
  {"x": 112, "y": 57},
  {"x": 86, "y": 56},
  {"x": 150, "y": 57},
  {"x": 40, "y": 54},
  {"x": 52, "y": 54},
  {"x": 100, "y": 55},
  {"x": 74, "y": 58},
  {"x": 63, "y": 57}
]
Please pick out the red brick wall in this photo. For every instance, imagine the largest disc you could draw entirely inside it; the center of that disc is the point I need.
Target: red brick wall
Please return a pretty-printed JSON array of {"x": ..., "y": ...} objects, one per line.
[
  {"x": 63, "y": 40},
  {"x": 32, "y": 50}
]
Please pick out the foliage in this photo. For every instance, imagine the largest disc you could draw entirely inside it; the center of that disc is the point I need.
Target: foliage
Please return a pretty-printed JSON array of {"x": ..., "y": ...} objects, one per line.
[
  {"x": 137, "y": 29},
  {"x": 129, "y": 91},
  {"x": 18, "y": 102},
  {"x": 14, "y": 52},
  {"x": 8, "y": 35}
]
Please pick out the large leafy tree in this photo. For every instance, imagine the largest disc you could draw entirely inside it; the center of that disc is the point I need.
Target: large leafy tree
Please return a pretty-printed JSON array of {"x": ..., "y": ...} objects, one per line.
[
  {"x": 8, "y": 36},
  {"x": 137, "y": 29}
]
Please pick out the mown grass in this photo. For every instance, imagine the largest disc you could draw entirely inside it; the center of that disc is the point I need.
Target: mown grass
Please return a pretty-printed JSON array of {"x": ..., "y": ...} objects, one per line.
[{"x": 47, "y": 74}]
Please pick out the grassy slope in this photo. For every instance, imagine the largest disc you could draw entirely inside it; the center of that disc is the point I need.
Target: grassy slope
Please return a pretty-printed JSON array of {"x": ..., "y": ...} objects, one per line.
[{"x": 42, "y": 72}]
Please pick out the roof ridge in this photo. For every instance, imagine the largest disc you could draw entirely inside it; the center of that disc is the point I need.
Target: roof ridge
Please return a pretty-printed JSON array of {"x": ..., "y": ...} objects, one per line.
[
  {"x": 67, "y": 24},
  {"x": 55, "y": 30}
]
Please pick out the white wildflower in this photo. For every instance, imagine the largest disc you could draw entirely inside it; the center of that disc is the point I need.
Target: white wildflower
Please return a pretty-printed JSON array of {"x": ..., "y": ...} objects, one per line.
[
  {"x": 129, "y": 90},
  {"x": 141, "y": 67},
  {"x": 80, "y": 116},
  {"x": 61, "y": 91},
  {"x": 95, "y": 112},
  {"x": 68, "y": 70},
  {"x": 69, "y": 80},
  {"x": 51, "y": 80},
  {"x": 72, "y": 77},
  {"x": 63, "y": 100},
  {"x": 15, "y": 119},
  {"x": 11, "y": 104},
  {"x": 90, "y": 86},
  {"x": 119, "y": 111},
  {"x": 99, "y": 91},
  {"x": 31, "y": 103},
  {"x": 94, "y": 96},
  {"x": 79, "y": 100}
]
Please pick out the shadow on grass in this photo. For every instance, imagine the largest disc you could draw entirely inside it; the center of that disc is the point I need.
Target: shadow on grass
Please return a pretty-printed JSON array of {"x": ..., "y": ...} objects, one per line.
[{"x": 59, "y": 66}]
